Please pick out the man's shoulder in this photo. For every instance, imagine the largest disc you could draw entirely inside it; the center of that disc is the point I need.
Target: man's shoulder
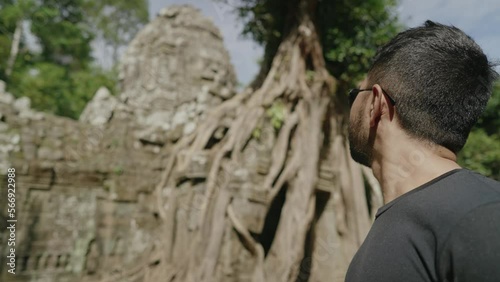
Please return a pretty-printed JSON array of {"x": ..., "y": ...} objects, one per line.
[
  {"x": 410, "y": 233},
  {"x": 471, "y": 252},
  {"x": 463, "y": 189},
  {"x": 439, "y": 205},
  {"x": 447, "y": 202},
  {"x": 472, "y": 187},
  {"x": 463, "y": 212},
  {"x": 414, "y": 236}
]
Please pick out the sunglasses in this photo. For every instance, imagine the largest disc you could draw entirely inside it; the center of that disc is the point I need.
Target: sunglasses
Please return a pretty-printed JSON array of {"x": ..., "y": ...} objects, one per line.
[{"x": 353, "y": 93}]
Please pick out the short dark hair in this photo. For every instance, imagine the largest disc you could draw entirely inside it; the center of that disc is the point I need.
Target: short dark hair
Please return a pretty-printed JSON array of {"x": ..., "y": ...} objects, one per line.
[{"x": 441, "y": 81}]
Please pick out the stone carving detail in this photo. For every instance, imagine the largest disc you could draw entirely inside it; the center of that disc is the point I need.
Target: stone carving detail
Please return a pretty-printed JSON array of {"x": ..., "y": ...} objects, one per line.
[
  {"x": 100, "y": 109},
  {"x": 174, "y": 70}
]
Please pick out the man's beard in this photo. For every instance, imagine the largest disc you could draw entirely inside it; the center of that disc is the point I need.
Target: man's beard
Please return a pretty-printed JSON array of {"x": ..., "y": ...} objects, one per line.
[{"x": 360, "y": 148}]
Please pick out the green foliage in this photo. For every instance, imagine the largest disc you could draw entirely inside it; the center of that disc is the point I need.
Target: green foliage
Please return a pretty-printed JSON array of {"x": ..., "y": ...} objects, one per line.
[
  {"x": 62, "y": 77},
  {"x": 12, "y": 12},
  {"x": 87, "y": 82},
  {"x": 53, "y": 89},
  {"x": 118, "y": 170},
  {"x": 354, "y": 30},
  {"x": 63, "y": 33},
  {"x": 256, "y": 133},
  {"x": 109, "y": 20},
  {"x": 46, "y": 85},
  {"x": 350, "y": 30},
  {"x": 310, "y": 75},
  {"x": 277, "y": 114},
  {"x": 482, "y": 151},
  {"x": 490, "y": 120},
  {"x": 266, "y": 23}
]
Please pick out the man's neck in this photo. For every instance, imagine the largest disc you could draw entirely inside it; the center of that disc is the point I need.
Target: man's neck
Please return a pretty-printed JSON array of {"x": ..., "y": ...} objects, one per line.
[{"x": 405, "y": 166}]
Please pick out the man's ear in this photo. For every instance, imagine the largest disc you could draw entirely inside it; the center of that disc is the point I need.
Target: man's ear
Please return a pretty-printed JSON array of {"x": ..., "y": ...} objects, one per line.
[{"x": 376, "y": 105}]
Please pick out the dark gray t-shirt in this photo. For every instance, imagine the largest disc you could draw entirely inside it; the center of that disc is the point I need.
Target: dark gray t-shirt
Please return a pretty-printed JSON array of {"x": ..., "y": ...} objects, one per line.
[{"x": 445, "y": 230}]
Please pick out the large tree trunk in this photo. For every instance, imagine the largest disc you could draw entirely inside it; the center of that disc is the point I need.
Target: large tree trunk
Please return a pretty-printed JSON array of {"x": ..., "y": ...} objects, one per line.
[{"x": 281, "y": 199}]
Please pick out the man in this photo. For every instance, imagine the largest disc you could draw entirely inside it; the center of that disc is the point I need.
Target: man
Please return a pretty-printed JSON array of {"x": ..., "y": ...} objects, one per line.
[{"x": 409, "y": 119}]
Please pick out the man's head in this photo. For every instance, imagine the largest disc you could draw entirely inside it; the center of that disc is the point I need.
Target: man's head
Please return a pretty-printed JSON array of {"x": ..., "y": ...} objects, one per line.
[{"x": 440, "y": 80}]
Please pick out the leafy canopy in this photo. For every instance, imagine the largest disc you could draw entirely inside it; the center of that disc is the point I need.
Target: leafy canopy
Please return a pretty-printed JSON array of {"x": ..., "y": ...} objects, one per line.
[
  {"x": 56, "y": 69},
  {"x": 482, "y": 151},
  {"x": 350, "y": 31}
]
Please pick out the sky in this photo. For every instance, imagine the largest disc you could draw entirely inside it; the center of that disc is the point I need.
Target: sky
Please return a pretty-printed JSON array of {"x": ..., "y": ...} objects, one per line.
[{"x": 479, "y": 18}]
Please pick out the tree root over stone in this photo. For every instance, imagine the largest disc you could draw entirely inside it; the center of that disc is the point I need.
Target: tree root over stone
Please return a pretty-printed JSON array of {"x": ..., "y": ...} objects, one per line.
[{"x": 296, "y": 158}]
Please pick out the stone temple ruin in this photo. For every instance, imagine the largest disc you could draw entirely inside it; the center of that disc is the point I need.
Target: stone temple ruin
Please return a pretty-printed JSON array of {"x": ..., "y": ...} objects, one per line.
[
  {"x": 92, "y": 198},
  {"x": 84, "y": 197}
]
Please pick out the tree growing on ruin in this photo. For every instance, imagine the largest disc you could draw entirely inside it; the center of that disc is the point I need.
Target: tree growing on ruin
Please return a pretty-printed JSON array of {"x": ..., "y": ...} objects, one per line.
[{"x": 307, "y": 201}]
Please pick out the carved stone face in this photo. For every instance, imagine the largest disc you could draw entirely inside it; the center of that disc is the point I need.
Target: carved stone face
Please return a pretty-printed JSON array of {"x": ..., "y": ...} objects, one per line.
[{"x": 174, "y": 70}]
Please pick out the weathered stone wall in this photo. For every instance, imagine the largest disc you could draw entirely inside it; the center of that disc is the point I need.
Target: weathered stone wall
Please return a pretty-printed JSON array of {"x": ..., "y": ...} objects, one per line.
[{"x": 85, "y": 189}]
